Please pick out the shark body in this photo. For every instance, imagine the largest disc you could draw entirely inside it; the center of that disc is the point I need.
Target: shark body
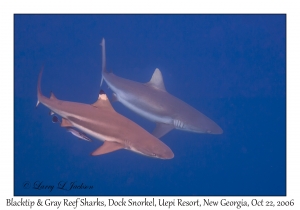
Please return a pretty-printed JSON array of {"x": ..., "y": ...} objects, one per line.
[
  {"x": 102, "y": 122},
  {"x": 152, "y": 101}
]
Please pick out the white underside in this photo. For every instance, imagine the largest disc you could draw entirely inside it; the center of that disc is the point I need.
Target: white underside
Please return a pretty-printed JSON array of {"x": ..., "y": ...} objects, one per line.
[{"x": 148, "y": 115}]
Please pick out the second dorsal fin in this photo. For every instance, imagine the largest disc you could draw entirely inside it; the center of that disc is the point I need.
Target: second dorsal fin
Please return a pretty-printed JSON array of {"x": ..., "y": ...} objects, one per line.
[
  {"x": 52, "y": 96},
  {"x": 157, "y": 80}
]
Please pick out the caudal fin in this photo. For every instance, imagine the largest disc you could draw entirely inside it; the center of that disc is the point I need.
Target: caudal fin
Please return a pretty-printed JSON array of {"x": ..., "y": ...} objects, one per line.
[
  {"x": 103, "y": 60},
  {"x": 39, "y": 91}
]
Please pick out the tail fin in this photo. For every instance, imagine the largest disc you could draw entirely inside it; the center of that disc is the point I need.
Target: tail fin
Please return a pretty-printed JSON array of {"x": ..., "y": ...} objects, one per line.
[
  {"x": 103, "y": 60},
  {"x": 39, "y": 91}
]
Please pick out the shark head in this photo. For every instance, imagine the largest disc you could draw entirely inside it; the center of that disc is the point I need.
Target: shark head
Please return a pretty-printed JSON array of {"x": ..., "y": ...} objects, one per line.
[
  {"x": 196, "y": 122},
  {"x": 154, "y": 148},
  {"x": 161, "y": 153}
]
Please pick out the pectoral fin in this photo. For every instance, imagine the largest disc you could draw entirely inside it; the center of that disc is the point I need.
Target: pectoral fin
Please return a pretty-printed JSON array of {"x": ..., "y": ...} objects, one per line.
[
  {"x": 65, "y": 123},
  {"x": 161, "y": 129},
  {"x": 107, "y": 147}
]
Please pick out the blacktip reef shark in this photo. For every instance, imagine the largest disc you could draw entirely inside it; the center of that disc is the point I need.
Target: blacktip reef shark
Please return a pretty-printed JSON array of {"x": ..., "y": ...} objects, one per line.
[
  {"x": 102, "y": 122},
  {"x": 152, "y": 101}
]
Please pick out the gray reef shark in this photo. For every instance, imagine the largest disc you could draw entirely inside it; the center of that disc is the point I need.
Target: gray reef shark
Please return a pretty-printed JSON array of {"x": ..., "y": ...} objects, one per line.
[
  {"x": 102, "y": 122},
  {"x": 152, "y": 101}
]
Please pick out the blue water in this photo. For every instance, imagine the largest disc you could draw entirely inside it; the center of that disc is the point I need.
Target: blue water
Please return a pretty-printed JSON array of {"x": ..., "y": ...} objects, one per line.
[{"x": 232, "y": 68}]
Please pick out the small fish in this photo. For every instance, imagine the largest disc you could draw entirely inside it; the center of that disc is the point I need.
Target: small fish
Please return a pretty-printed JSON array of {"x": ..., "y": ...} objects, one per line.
[
  {"x": 71, "y": 130},
  {"x": 78, "y": 134}
]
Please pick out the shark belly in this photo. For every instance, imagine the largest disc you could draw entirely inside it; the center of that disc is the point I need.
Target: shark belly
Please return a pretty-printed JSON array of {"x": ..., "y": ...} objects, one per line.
[
  {"x": 143, "y": 111},
  {"x": 96, "y": 135}
]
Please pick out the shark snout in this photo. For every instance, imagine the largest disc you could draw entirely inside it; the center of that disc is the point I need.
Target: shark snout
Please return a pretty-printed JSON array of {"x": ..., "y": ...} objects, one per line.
[
  {"x": 212, "y": 128},
  {"x": 215, "y": 130},
  {"x": 208, "y": 126},
  {"x": 168, "y": 154},
  {"x": 162, "y": 152}
]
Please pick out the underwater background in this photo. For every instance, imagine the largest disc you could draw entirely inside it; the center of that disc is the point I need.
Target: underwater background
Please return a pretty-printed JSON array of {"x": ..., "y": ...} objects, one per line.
[{"x": 232, "y": 68}]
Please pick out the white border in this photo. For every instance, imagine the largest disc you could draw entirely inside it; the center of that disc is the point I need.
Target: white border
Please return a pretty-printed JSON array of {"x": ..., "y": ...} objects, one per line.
[{"x": 8, "y": 8}]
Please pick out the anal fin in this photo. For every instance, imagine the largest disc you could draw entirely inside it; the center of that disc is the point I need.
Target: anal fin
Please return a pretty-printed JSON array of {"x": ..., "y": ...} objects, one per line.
[
  {"x": 161, "y": 129},
  {"x": 65, "y": 123},
  {"x": 107, "y": 147}
]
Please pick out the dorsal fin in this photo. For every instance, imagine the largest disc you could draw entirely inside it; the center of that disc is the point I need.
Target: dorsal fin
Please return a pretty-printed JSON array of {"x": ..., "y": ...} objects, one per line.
[
  {"x": 52, "y": 96},
  {"x": 157, "y": 80},
  {"x": 103, "y": 101}
]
